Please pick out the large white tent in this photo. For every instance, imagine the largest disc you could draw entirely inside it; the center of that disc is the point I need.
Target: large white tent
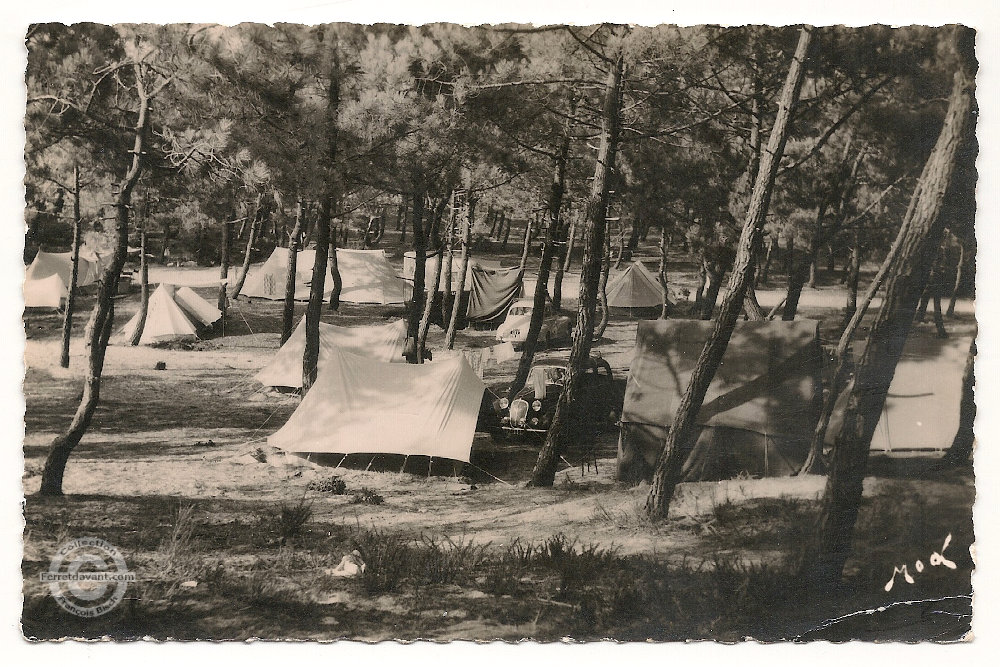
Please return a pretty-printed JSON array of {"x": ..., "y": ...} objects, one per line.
[
  {"x": 634, "y": 288},
  {"x": 48, "y": 264},
  {"x": 172, "y": 314},
  {"x": 367, "y": 277},
  {"x": 44, "y": 292},
  {"x": 382, "y": 343},
  {"x": 361, "y": 405}
]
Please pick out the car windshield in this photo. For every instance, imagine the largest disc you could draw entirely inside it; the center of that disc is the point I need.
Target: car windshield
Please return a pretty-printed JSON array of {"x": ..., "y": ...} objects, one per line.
[
  {"x": 520, "y": 310},
  {"x": 548, "y": 374}
]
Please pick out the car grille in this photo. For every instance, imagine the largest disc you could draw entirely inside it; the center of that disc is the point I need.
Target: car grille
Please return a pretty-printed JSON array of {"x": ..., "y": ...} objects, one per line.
[{"x": 518, "y": 412}]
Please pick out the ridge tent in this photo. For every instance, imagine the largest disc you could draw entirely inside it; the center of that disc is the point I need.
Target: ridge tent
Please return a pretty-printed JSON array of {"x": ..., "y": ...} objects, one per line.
[
  {"x": 367, "y": 277},
  {"x": 172, "y": 314},
  {"x": 759, "y": 412},
  {"x": 45, "y": 292},
  {"x": 433, "y": 258},
  {"x": 383, "y": 343},
  {"x": 493, "y": 292},
  {"x": 48, "y": 264},
  {"x": 922, "y": 407},
  {"x": 361, "y": 405},
  {"x": 635, "y": 292}
]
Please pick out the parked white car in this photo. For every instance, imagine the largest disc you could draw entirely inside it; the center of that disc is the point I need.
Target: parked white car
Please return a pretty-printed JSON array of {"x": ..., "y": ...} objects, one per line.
[{"x": 514, "y": 330}]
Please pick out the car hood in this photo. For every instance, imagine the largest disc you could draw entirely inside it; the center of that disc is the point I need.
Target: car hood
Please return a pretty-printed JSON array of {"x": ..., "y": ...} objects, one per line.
[{"x": 521, "y": 322}]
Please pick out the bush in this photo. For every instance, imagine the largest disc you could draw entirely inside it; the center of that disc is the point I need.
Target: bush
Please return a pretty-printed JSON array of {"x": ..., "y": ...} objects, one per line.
[
  {"x": 332, "y": 485},
  {"x": 367, "y": 497},
  {"x": 386, "y": 556}
]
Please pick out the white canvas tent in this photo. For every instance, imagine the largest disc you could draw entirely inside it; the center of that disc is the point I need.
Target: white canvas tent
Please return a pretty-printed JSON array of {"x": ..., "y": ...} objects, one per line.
[
  {"x": 634, "y": 288},
  {"x": 48, "y": 264},
  {"x": 173, "y": 314},
  {"x": 361, "y": 405},
  {"x": 383, "y": 343},
  {"x": 44, "y": 292},
  {"x": 367, "y": 277}
]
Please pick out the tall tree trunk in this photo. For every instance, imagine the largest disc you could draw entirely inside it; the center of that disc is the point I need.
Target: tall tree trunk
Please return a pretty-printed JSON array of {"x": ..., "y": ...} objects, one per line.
[
  {"x": 324, "y": 223},
  {"x": 526, "y": 247},
  {"x": 505, "y": 219},
  {"x": 491, "y": 220},
  {"x": 958, "y": 280},
  {"x": 420, "y": 268},
  {"x": 567, "y": 408},
  {"x": 938, "y": 311},
  {"x": 227, "y": 231},
  {"x": 662, "y": 274},
  {"x": 456, "y": 306},
  {"x": 446, "y": 261},
  {"x": 338, "y": 280},
  {"x": 288, "y": 312},
  {"x": 867, "y": 391},
  {"x": 671, "y": 458},
  {"x": 67, "y": 327},
  {"x": 104, "y": 314},
  {"x": 772, "y": 248},
  {"x": 144, "y": 282},
  {"x": 602, "y": 291},
  {"x": 853, "y": 277},
  {"x": 965, "y": 439},
  {"x": 713, "y": 277},
  {"x": 256, "y": 222},
  {"x": 435, "y": 286},
  {"x": 568, "y": 260},
  {"x": 552, "y": 230}
]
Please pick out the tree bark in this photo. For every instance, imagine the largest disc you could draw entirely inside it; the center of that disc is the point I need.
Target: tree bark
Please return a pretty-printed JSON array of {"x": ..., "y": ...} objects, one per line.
[
  {"x": 144, "y": 281},
  {"x": 314, "y": 309},
  {"x": 338, "y": 281},
  {"x": 853, "y": 277},
  {"x": 567, "y": 261},
  {"x": 662, "y": 274},
  {"x": 552, "y": 230},
  {"x": 671, "y": 458},
  {"x": 104, "y": 313},
  {"x": 602, "y": 291},
  {"x": 566, "y": 411},
  {"x": 420, "y": 268},
  {"x": 958, "y": 280},
  {"x": 867, "y": 391},
  {"x": 456, "y": 307},
  {"x": 288, "y": 312},
  {"x": 965, "y": 439},
  {"x": 224, "y": 266},
  {"x": 772, "y": 247},
  {"x": 446, "y": 295},
  {"x": 435, "y": 286},
  {"x": 526, "y": 247},
  {"x": 67, "y": 327},
  {"x": 505, "y": 219},
  {"x": 256, "y": 222}
]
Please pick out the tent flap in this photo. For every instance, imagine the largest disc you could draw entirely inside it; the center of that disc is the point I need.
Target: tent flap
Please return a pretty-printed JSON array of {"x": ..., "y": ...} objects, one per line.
[{"x": 493, "y": 292}]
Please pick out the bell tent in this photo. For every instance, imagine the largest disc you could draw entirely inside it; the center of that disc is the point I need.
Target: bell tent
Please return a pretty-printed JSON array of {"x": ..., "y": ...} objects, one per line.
[
  {"x": 172, "y": 314},
  {"x": 635, "y": 292},
  {"x": 367, "y": 277},
  {"x": 44, "y": 292},
  {"x": 759, "y": 412},
  {"x": 383, "y": 343},
  {"x": 364, "y": 406}
]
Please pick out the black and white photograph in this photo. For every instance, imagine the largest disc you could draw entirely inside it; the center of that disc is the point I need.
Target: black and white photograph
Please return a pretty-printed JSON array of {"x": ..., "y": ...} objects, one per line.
[{"x": 555, "y": 331}]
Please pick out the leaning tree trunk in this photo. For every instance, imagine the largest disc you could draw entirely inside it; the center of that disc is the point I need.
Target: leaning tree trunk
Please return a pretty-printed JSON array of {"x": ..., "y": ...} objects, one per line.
[
  {"x": 144, "y": 278},
  {"x": 288, "y": 312},
  {"x": 965, "y": 439},
  {"x": 567, "y": 408},
  {"x": 255, "y": 223},
  {"x": 684, "y": 428},
  {"x": 67, "y": 327},
  {"x": 824, "y": 563},
  {"x": 104, "y": 314},
  {"x": 456, "y": 306},
  {"x": 338, "y": 280},
  {"x": 661, "y": 275},
  {"x": 324, "y": 223},
  {"x": 556, "y": 190}
]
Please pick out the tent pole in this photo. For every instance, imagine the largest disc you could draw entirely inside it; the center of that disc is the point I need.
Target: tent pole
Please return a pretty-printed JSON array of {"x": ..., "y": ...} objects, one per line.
[
  {"x": 430, "y": 462},
  {"x": 405, "y": 457},
  {"x": 370, "y": 463},
  {"x": 341, "y": 461}
]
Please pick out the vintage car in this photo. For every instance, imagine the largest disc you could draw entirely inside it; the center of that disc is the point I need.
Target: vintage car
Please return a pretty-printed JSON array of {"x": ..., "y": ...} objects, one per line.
[
  {"x": 530, "y": 413},
  {"x": 514, "y": 329}
]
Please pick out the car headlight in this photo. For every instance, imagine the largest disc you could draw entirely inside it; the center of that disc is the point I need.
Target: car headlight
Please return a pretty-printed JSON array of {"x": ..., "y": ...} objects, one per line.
[
  {"x": 504, "y": 403},
  {"x": 536, "y": 406}
]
